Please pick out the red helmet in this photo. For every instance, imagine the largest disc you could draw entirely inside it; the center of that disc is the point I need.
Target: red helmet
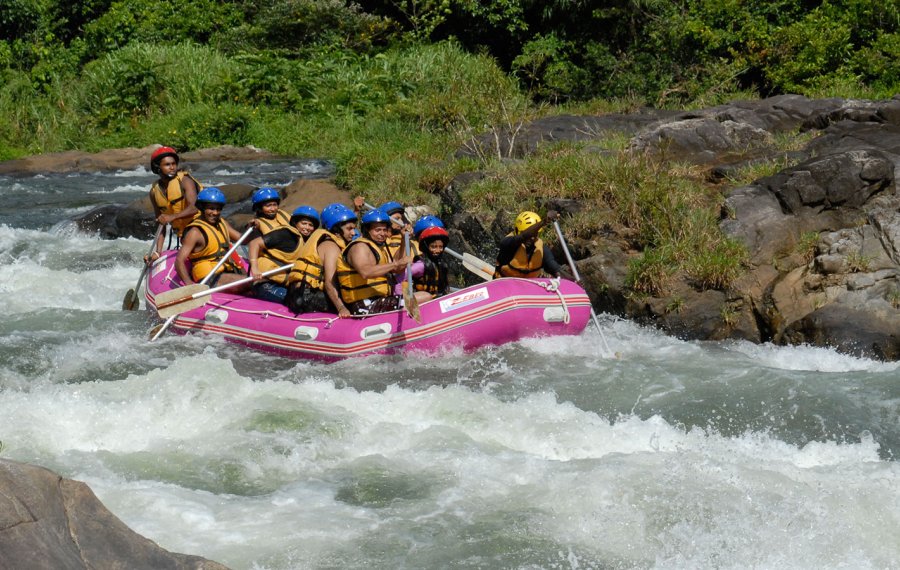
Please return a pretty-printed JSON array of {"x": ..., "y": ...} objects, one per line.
[
  {"x": 160, "y": 154},
  {"x": 433, "y": 233}
]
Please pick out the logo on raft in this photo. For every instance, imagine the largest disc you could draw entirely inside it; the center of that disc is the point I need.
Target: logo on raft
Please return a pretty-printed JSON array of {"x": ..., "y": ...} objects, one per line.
[{"x": 464, "y": 299}]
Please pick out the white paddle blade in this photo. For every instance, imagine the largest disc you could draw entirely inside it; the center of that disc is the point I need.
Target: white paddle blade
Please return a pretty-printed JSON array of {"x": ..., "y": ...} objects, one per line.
[
  {"x": 179, "y": 307},
  {"x": 478, "y": 267},
  {"x": 179, "y": 300}
]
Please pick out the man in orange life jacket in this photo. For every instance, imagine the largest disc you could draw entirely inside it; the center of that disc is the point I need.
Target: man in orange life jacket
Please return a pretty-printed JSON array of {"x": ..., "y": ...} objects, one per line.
[
  {"x": 522, "y": 252},
  {"x": 313, "y": 286},
  {"x": 174, "y": 195},
  {"x": 206, "y": 240},
  {"x": 367, "y": 271}
]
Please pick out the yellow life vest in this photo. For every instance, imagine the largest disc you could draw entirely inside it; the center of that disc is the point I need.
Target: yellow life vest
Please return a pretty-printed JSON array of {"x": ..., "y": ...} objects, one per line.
[
  {"x": 523, "y": 265},
  {"x": 353, "y": 286},
  {"x": 309, "y": 266},
  {"x": 217, "y": 245},
  {"x": 172, "y": 201},
  {"x": 274, "y": 258},
  {"x": 394, "y": 243}
]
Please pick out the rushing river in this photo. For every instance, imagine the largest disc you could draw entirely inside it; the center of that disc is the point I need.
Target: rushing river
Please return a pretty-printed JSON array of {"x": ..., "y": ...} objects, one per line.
[{"x": 540, "y": 454}]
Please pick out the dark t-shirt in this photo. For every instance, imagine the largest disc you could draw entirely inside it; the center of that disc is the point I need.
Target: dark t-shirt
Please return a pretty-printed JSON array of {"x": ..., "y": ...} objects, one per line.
[
  {"x": 281, "y": 239},
  {"x": 510, "y": 244}
]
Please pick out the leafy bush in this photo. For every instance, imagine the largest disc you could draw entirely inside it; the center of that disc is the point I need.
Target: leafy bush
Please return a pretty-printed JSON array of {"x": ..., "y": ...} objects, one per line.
[
  {"x": 293, "y": 25},
  {"x": 165, "y": 23},
  {"x": 441, "y": 86},
  {"x": 140, "y": 80},
  {"x": 205, "y": 125}
]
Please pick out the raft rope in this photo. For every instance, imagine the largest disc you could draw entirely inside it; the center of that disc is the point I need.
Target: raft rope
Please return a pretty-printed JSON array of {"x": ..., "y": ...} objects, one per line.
[{"x": 551, "y": 286}]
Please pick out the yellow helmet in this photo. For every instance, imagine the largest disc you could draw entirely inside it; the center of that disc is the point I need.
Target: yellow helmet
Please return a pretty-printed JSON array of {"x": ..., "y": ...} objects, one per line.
[{"x": 525, "y": 220}]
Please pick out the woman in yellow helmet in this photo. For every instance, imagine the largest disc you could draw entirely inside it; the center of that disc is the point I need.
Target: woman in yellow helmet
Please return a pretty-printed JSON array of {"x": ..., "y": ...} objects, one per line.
[{"x": 523, "y": 253}]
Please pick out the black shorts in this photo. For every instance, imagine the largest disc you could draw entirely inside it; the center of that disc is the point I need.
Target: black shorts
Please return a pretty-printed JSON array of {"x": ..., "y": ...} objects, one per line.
[{"x": 376, "y": 305}]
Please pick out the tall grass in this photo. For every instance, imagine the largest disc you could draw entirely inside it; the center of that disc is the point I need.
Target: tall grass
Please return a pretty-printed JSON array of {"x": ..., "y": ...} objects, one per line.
[{"x": 662, "y": 211}]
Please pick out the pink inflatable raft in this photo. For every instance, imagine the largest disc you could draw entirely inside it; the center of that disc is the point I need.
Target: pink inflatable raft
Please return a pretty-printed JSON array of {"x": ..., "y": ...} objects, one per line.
[{"x": 490, "y": 313}]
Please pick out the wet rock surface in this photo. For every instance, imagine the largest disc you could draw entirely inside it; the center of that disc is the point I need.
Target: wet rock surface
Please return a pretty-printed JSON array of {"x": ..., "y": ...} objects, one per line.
[{"x": 48, "y": 522}]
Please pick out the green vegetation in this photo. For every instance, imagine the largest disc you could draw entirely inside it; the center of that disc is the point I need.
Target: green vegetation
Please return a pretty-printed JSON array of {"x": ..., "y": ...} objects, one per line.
[
  {"x": 893, "y": 297},
  {"x": 390, "y": 90},
  {"x": 806, "y": 247}
]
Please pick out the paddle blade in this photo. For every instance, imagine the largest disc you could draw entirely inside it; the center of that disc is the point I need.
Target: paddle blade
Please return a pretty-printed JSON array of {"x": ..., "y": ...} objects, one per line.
[
  {"x": 179, "y": 307},
  {"x": 131, "y": 302},
  {"x": 177, "y": 301},
  {"x": 410, "y": 302},
  {"x": 478, "y": 267}
]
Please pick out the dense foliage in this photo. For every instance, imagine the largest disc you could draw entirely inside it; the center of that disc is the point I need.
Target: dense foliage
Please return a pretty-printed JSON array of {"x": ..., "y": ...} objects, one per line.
[
  {"x": 387, "y": 87},
  {"x": 79, "y": 74}
]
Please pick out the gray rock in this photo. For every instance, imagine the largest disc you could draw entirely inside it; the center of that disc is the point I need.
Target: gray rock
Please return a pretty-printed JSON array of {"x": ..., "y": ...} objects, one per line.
[{"x": 48, "y": 522}]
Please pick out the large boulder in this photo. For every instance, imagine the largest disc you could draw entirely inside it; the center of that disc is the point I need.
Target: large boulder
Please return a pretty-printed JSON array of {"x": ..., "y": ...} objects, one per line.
[
  {"x": 823, "y": 236},
  {"x": 48, "y": 522}
]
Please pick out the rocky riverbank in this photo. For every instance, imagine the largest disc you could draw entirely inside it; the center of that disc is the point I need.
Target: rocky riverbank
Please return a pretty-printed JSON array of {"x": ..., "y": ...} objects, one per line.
[{"x": 823, "y": 235}]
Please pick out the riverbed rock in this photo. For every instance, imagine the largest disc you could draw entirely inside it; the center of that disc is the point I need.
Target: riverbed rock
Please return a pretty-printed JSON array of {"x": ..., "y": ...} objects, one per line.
[
  {"x": 823, "y": 236},
  {"x": 122, "y": 159},
  {"x": 48, "y": 522}
]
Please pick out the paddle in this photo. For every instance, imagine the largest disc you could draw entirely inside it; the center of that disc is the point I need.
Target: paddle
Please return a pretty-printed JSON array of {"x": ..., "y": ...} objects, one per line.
[
  {"x": 132, "y": 301},
  {"x": 157, "y": 331},
  {"x": 565, "y": 247},
  {"x": 409, "y": 297},
  {"x": 480, "y": 268},
  {"x": 189, "y": 297}
]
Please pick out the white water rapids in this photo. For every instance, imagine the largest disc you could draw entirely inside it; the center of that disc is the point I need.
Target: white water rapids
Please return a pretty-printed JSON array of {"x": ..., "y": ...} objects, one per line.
[{"x": 539, "y": 454}]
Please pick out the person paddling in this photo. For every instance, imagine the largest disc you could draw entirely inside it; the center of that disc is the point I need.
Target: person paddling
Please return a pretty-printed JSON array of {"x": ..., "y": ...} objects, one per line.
[
  {"x": 523, "y": 253},
  {"x": 399, "y": 225},
  {"x": 206, "y": 241},
  {"x": 367, "y": 271},
  {"x": 313, "y": 286},
  {"x": 274, "y": 243},
  {"x": 173, "y": 195}
]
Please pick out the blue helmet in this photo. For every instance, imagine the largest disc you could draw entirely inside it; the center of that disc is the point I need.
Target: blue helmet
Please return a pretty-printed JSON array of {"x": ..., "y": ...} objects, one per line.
[
  {"x": 211, "y": 195},
  {"x": 425, "y": 222},
  {"x": 375, "y": 216},
  {"x": 264, "y": 195},
  {"x": 392, "y": 208},
  {"x": 305, "y": 212},
  {"x": 336, "y": 214}
]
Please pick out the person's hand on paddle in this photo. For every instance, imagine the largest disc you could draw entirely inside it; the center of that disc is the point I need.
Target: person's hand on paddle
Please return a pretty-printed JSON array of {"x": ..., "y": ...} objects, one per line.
[
  {"x": 255, "y": 273},
  {"x": 359, "y": 203},
  {"x": 552, "y": 216},
  {"x": 399, "y": 264},
  {"x": 149, "y": 259}
]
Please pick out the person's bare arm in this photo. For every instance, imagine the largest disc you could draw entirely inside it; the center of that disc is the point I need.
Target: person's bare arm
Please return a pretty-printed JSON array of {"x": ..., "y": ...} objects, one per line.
[
  {"x": 193, "y": 240},
  {"x": 253, "y": 252},
  {"x": 363, "y": 261},
  {"x": 329, "y": 253}
]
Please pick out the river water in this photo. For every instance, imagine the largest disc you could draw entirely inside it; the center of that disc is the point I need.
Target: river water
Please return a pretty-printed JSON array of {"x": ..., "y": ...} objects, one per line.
[{"x": 539, "y": 454}]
